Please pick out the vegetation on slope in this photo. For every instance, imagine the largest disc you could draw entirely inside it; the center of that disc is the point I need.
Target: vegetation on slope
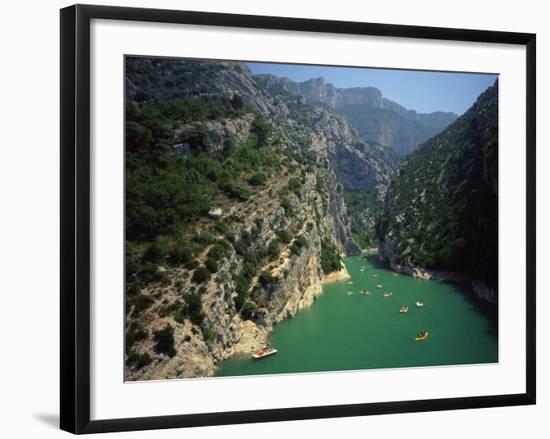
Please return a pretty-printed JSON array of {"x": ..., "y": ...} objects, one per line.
[
  {"x": 441, "y": 209},
  {"x": 330, "y": 257}
]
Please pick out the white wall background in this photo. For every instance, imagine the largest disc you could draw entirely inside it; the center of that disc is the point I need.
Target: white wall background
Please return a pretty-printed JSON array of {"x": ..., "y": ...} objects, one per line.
[{"x": 29, "y": 236}]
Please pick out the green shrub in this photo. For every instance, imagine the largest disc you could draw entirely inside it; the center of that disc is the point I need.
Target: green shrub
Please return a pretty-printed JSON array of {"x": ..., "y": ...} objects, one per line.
[
  {"x": 140, "y": 303},
  {"x": 191, "y": 264},
  {"x": 228, "y": 146},
  {"x": 201, "y": 275},
  {"x": 194, "y": 308},
  {"x": 134, "y": 334},
  {"x": 330, "y": 257},
  {"x": 170, "y": 310},
  {"x": 284, "y": 236},
  {"x": 239, "y": 301},
  {"x": 298, "y": 244},
  {"x": 261, "y": 128},
  {"x": 208, "y": 334},
  {"x": 198, "y": 139},
  {"x": 180, "y": 253},
  {"x": 150, "y": 273},
  {"x": 221, "y": 227},
  {"x": 258, "y": 179},
  {"x": 217, "y": 251},
  {"x": 132, "y": 288},
  {"x": 273, "y": 250},
  {"x": 138, "y": 361},
  {"x": 285, "y": 204},
  {"x": 294, "y": 185},
  {"x": 204, "y": 237},
  {"x": 266, "y": 279},
  {"x": 154, "y": 253},
  {"x": 242, "y": 283},
  {"x": 235, "y": 191},
  {"x": 211, "y": 265},
  {"x": 248, "y": 310},
  {"x": 164, "y": 339},
  {"x": 237, "y": 102}
]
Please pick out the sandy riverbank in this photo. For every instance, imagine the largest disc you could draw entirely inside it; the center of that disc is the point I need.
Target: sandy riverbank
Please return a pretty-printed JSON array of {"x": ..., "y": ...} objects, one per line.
[{"x": 337, "y": 276}]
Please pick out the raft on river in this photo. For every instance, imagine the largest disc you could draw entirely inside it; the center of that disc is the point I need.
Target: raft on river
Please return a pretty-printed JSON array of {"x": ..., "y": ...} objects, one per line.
[{"x": 265, "y": 352}]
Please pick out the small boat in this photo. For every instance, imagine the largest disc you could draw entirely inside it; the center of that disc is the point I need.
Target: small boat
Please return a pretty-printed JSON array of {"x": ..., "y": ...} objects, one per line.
[
  {"x": 361, "y": 269},
  {"x": 350, "y": 293},
  {"x": 419, "y": 303},
  {"x": 365, "y": 293},
  {"x": 404, "y": 308},
  {"x": 387, "y": 293},
  {"x": 422, "y": 336},
  {"x": 265, "y": 352},
  {"x": 374, "y": 275},
  {"x": 394, "y": 274},
  {"x": 379, "y": 286},
  {"x": 350, "y": 282}
]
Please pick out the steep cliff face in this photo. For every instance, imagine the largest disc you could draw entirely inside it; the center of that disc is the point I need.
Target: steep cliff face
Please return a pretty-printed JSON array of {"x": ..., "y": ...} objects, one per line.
[
  {"x": 156, "y": 79},
  {"x": 318, "y": 92},
  {"x": 277, "y": 289},
  {"x": 403, "y": 131},
  {"x": 362, "y": 169},
  {"x": 376, "y": 119},
  {"x": 232, "y": 188},
  {"x": 441, "y": 209}
]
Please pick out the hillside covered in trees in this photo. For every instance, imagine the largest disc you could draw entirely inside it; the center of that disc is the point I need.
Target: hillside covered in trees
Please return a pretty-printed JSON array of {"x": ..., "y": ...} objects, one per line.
[{"x": 441, "y": 210}]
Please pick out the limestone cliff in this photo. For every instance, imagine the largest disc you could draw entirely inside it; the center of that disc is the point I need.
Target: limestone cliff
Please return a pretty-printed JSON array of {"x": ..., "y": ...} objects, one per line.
[
  {"x": 377, "y": 119},
  {"x": 274, "y": 168}
]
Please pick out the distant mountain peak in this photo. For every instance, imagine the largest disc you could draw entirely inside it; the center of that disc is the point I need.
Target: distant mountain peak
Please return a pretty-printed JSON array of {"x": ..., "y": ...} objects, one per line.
[{"x": 376, "y": 118}]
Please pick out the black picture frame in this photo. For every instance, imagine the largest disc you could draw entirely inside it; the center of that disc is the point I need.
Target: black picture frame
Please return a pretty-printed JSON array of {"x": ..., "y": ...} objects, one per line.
[{"x": 75, "y": 217}]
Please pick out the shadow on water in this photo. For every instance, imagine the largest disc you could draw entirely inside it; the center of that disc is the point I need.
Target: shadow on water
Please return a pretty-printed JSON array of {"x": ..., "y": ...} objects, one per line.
[
  {"x": 485, "y": 308},
  {"x": 372, "y": 258}
]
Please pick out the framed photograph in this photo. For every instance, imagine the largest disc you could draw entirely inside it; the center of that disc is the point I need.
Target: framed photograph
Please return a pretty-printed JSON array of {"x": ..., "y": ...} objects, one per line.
[{"x": 268, "y": 218}]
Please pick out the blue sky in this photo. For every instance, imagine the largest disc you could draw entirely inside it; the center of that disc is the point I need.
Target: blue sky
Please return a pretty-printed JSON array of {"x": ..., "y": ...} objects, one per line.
[{"x": 416, "y": 90}]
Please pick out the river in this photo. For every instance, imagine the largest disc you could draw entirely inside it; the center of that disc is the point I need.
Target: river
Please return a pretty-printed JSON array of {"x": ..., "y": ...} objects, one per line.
[{"x": 350, "y": 332}]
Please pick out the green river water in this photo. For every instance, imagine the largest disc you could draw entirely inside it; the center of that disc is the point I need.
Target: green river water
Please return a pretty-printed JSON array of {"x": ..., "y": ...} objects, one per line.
[{"x": 349, "y": 332}]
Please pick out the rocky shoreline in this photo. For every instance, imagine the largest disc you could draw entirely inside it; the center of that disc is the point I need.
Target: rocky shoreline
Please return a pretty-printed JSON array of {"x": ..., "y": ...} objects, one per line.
[
  {"x": 387, "y": 253},
  {"x": 479, "y": 288}
]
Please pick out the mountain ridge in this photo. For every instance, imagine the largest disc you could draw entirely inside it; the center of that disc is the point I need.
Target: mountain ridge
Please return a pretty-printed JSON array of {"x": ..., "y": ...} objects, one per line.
[{"x": 376, "y": 118}]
